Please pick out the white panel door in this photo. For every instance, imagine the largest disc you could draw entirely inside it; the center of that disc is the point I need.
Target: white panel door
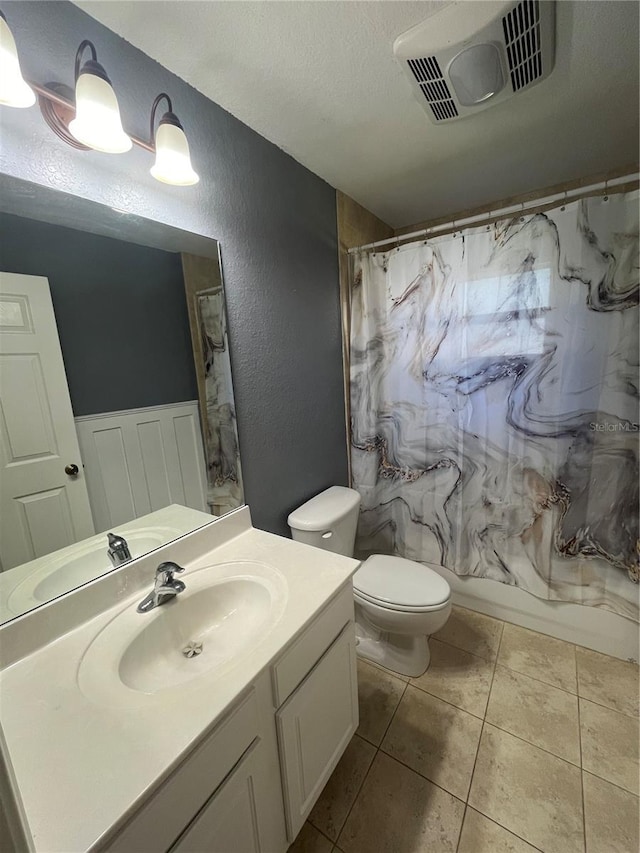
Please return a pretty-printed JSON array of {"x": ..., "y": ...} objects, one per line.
[
  {"x": 315, "y": 725},
  {"x": 42, "y": 508}
]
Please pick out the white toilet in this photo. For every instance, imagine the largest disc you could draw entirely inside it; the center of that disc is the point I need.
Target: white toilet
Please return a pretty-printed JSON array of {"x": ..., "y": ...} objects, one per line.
[{"x": 399, "y": 603}]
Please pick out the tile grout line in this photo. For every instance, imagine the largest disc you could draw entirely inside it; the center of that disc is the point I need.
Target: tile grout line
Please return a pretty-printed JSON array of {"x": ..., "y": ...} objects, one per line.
[
  {"x": 394, "y": 758},
  {"x": 539, "y": 680},
  {"x": 344, "y": 823},
  {"x": 534, "y": 745},
  {"x": 475, "y": 760},
  {"x": 609, "y": 782},
  {"x": 500, "y": 728},
  {"x": 577, "y": 692},
  {"x": 504, "y": 622},
  {"x": 608, "y": 708},
  {"x": 399, "y": 761},
  {"x": 377, "y": 667},
  {"x": 446, "y": 701},
  {"x": 584, "y": 813},
  {"x": 459, "y": 649},
  {"x": 395, "y": 711},
  {"x": 375, "y": 755},
  {"x": 421, "y": 775},
  {"x": 575, "y": 646},
  {"x": 323, "y": 834},
  {"x": 506, "y": 829},
  {"x": 523, "y": 739},
  {"x": 467, "y": 806},
  {"x": 570, "y": 693}
]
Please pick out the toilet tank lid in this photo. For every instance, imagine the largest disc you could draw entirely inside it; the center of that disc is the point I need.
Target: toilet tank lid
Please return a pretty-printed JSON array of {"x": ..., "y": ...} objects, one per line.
[{"x": 324, "y": 509}]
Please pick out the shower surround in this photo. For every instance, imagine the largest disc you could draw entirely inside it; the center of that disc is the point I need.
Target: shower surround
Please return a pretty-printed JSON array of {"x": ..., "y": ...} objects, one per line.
[{"x": 494, "y": 394}]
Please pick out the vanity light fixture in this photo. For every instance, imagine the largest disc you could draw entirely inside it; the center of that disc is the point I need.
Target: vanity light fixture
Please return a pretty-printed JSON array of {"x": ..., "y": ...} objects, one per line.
[
  {"x": 173, "y": 161},
  {"x": 93, "y": 120},
  {"x": 14, "y": 92},
  {"x": 97, "y": 122}
]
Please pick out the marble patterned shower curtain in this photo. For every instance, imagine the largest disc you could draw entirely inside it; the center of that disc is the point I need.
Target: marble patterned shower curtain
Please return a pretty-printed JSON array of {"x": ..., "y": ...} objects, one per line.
[{"x": 494, "y": 394}]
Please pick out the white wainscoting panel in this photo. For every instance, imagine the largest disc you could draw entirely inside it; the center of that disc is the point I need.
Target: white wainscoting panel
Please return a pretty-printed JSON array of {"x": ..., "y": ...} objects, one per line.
[{"x": 141, "y": 460}]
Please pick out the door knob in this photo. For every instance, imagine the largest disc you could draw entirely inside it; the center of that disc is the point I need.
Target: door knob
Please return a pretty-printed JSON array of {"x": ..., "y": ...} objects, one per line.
[{"x": 71, "y": 470}]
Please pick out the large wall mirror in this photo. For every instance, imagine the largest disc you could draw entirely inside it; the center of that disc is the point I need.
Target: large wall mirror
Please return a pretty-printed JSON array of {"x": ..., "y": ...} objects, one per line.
[{"x": 117, "y": 417}]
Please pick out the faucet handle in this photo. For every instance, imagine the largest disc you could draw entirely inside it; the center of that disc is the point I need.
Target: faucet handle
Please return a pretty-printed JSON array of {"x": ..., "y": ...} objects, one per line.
[{"x": 167, "y": 570}]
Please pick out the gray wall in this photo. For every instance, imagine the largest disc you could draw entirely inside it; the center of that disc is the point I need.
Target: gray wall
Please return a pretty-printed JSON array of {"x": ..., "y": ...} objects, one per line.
[
  {"x": 276, "y": 222},
  {"x": 121, "y": 314}
]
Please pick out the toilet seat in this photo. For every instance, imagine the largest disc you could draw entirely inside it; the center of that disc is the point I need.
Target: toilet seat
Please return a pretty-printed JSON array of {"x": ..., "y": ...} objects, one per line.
[{"x": 401, "y": 585}]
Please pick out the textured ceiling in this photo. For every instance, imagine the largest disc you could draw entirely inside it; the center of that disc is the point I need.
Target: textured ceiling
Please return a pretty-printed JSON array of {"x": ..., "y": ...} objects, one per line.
[{"x": 319, "y": 79}]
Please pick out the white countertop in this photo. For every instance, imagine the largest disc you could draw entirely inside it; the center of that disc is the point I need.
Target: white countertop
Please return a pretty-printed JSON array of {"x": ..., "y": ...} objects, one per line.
[{"x": 82, "y": 767}]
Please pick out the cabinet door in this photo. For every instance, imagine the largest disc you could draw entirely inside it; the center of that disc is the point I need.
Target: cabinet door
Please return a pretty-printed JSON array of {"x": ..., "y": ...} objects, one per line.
[
  {"x": 230, "y": 820},
  {"x": 315, "y": 725}
]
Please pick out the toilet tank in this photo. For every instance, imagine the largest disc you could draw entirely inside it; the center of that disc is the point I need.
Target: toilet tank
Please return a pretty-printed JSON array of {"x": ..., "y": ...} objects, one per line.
[{"x": 328, "y": 521}]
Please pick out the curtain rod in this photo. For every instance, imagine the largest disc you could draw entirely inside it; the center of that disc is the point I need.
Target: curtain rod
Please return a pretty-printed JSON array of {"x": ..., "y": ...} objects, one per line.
[{"x": 564, "y": 196}]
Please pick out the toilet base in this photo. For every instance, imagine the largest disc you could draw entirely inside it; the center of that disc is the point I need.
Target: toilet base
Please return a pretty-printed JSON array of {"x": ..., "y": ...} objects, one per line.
[{"x": 402, "y": 653}]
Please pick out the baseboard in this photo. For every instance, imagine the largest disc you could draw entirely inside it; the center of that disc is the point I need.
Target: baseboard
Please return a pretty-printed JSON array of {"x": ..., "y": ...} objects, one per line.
[{"x": 591, "y": 627}]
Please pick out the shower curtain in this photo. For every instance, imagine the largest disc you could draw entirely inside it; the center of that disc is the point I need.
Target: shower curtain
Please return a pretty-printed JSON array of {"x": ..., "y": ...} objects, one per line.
[{"x": 494, "y": 402}]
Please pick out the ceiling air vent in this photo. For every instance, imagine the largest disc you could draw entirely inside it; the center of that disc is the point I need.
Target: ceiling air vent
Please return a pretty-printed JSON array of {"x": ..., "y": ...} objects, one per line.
[
  {"x": 469, "y": 56},
  {"x": 522, "y": 39},
  {"x": 433, "y": 87}
]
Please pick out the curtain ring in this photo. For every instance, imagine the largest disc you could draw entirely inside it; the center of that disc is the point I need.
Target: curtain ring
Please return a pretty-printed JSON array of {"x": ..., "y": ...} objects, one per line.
[
  {"x": 606, "y": 191},
  {"x": 564, "y": 203}
]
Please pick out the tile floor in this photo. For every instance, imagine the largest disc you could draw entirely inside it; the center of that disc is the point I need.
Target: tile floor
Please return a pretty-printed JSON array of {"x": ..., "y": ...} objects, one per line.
[{"x": 512, "y": 742}]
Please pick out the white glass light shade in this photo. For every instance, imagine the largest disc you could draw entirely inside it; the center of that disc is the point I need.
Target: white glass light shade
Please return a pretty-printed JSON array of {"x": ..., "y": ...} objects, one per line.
[
  {"x": 97, "y": 122},
  {"x": 173, "y": 161},
  {"x": 14, "y": 92}
]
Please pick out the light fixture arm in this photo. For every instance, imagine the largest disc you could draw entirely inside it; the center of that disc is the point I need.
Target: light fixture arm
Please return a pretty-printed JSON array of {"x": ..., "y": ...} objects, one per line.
[
  {"x": 160, "y": 97},
  {"x": 83, "y": 46}
]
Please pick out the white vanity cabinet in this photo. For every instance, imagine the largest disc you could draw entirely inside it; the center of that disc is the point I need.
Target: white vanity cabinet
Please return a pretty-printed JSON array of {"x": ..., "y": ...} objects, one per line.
[
  {"x": 229, "y": 786},
  {"x": 250, "y": 784},
  {"x": 319, "y": 718}
]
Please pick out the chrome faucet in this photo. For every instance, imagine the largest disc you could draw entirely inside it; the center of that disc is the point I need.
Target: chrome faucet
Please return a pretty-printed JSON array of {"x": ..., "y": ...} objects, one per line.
[
  {"x": 118, "y": 552},
  {"x": 164, "y": 588}
]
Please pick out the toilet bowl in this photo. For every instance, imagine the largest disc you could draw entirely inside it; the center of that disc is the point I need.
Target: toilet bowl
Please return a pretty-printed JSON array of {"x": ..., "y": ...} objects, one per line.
[{"x": 398, "y": 602}]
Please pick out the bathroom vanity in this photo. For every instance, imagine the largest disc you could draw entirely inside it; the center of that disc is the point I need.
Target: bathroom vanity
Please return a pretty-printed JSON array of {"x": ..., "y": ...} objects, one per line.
[{"x": 121, "y": 734}]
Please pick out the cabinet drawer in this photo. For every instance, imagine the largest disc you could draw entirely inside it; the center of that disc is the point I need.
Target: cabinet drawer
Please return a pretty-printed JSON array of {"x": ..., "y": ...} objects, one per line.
[
  {"x": 314, "y": 727},
  {"x": 158, "y": 822},
  {"x": 306, "y": 650}
]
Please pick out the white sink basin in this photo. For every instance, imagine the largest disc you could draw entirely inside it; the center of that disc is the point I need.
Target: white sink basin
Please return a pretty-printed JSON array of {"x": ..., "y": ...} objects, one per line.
[{"x": 224, "y": 613}]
